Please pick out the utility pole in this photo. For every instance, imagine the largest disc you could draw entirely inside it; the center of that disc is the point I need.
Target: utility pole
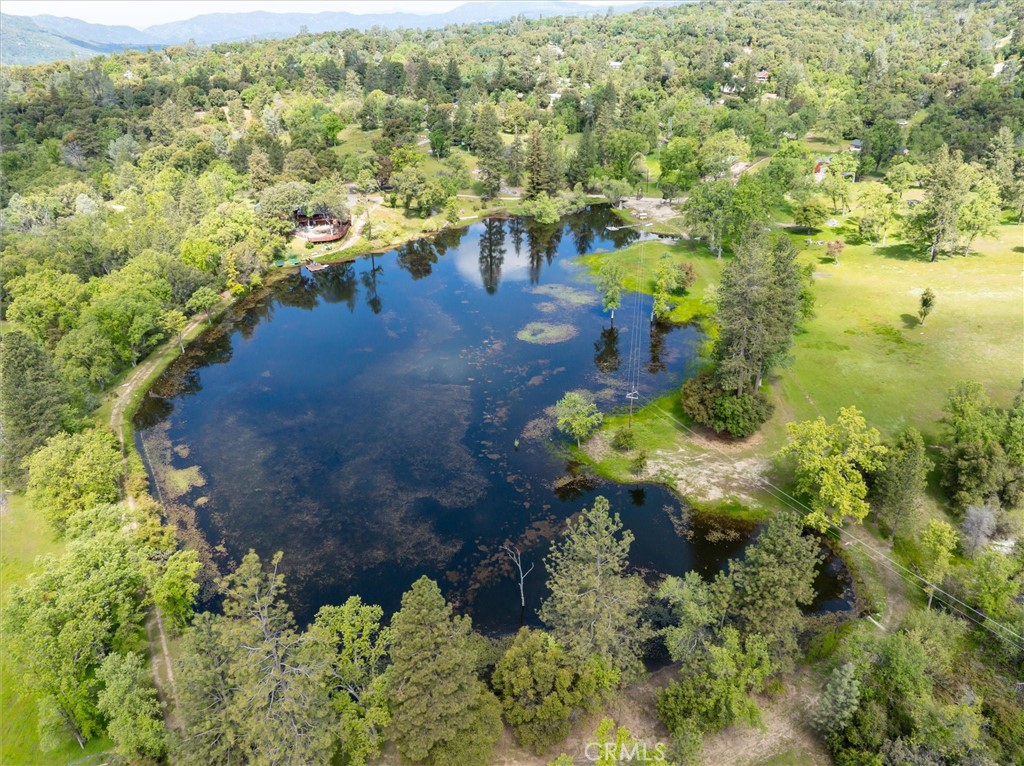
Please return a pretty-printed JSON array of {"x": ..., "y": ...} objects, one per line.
[{"x": 633, "y": 394}]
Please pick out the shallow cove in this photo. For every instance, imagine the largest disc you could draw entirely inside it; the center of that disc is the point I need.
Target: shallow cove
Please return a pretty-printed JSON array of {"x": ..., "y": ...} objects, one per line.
[{"x": 386, "y": 418}]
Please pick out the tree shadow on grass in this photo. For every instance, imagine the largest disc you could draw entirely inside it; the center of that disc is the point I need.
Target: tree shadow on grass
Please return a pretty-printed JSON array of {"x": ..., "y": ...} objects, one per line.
[
  {"x": 910, "y": 321},
  {"x": 902, "y": 252},
  {"x": 1018, "y": 249}
]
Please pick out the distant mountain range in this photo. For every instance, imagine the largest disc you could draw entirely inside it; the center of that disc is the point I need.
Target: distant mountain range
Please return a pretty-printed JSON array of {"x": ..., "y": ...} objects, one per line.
[{"x": 38, "y": 39}]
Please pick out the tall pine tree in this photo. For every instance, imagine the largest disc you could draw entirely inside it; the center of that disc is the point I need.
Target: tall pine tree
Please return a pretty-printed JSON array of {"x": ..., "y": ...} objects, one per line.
[
  {"x": 901, "y": 483},
  {"x": 441, "y": 712},
  {"x": 595, "y": 607},
  {"x": 489, "y": 150},
  {"x": 772, "y": 581},
  {"x": 538, "y": 167},
  {"x": 759, "y": 305},
  {"x": 515, "y": 162},
  {"x": 33, "y": 404},
  {"x": 583, "y": 160}
]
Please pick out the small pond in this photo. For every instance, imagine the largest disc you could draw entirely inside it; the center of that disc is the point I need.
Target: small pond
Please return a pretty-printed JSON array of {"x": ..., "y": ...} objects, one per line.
[{"x": 390, "y": 417}]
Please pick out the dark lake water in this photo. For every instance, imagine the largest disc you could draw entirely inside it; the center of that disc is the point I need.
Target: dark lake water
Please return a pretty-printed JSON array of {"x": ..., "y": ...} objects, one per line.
[{"x": 364, "y": 420}]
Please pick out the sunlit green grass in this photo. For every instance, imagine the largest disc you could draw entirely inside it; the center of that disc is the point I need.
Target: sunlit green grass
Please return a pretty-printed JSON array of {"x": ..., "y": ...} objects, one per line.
[
  {"x": 640, "y": 263},
  {"x": 866, "y": 347},
  {"x": 23, "y": 537}
]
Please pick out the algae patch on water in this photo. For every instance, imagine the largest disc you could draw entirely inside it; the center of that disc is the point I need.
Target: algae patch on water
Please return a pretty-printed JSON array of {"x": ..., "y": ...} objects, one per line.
[
  {"x": 572, "y": 296},
  {"x": 181, "y": 481},
  {"x": 546, "y": 333}
]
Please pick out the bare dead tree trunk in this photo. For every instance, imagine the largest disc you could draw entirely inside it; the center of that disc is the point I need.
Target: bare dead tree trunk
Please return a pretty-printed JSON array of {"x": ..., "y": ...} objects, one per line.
[{"x": 517, "y": 558}]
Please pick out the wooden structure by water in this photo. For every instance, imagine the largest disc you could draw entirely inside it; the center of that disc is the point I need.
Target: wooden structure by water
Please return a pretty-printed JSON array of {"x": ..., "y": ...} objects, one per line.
[
  {"x": 321, "y": 226},
  {"x": 315, "y": 266}
]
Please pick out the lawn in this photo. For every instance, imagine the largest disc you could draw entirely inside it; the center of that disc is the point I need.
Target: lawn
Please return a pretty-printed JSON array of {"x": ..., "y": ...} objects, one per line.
[
  {"x": 866, "y": 347},
  {"x": 640, "y": 263},
  {"x": 23, "y": 537}
]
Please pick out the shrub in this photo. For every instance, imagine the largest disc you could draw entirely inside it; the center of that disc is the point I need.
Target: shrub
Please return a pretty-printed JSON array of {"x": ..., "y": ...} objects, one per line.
[
  {"x": 687, "y": 275},
  {"x": 698, "y": 395},
  {"x": 741, "y": 416},
  {"x": 624, "y": 439},
  {"x": 723, "y": 411},
  {"x": 639, "y": 463}
]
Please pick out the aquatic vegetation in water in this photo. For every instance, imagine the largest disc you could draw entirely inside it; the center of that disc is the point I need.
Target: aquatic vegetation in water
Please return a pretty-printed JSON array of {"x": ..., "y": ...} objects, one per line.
[
  {"x": 572, "y": 296},
  {"x": 180, "y": 481},
  {"x": 546, "y": 333}
]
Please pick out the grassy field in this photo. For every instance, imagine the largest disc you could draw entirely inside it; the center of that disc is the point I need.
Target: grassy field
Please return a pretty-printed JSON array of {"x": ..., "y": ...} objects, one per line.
[
  {"x": 22, "y": 539},
  {"x": 640, "y": 263},
  {"x": 865, "y": 346}
]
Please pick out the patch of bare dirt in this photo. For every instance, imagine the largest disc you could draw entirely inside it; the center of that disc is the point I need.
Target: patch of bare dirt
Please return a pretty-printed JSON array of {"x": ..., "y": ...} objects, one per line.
[
  {"x": 650, "y": 208},
  {"x": 786, "y": 727},
  {"x": 708, "y": 475}
]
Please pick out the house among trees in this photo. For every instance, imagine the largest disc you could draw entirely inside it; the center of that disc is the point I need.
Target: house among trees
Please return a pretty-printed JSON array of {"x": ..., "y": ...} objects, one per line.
[
  {"x": 320, "y": 226},
  {"x": 615, "y": 64},
  {"x": 821, "y": 169},
  {"x": 856, "y": 146},
  {"x": 762, "y": 77}
]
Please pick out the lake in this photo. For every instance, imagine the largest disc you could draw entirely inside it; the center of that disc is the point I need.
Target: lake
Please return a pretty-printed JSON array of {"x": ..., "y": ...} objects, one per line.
[{"x": 391, "y": 417}]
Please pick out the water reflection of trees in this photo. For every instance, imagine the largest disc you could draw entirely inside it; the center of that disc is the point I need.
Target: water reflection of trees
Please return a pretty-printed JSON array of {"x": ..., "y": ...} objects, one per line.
[
  {"x": 542, "y": 242},
  {"x": 449, "y": 239},
  {"x": 606, "y": 350},
  {"x": 492, "y": 253},
  {"x": 247, "y": 314},
  {"x": 369, "y": 278},
  {"x": 515, "y": 233},
  {"x": 338, "y": 284},
  {"x": 417, "y": 257},
  {"x": 584, "y": 232},
  {"x": 297, "y": 292},
  {"x": 182, "y": 377},
  {"x": 658, "y": 332}
]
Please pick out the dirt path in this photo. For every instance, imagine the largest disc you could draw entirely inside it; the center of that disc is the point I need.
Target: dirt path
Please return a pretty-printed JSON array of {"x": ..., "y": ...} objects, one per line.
[
  {"x": 360, "y": 224},
  {"x": 896, "y": 604},
  {"x": 159, "y": 652}
]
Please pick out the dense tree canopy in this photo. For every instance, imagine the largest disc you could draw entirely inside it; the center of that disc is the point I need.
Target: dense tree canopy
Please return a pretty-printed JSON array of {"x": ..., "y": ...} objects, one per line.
[{"x": 137, "y": 188}]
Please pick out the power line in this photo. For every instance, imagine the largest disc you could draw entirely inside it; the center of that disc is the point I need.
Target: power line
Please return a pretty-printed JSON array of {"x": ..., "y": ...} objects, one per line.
[
  {"x": 876, "y": 555},
  {"x": 633, "y": 364}
]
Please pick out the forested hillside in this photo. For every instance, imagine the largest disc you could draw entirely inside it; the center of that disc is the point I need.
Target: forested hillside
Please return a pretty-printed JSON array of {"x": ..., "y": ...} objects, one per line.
[{"x": 815, "y": 161}]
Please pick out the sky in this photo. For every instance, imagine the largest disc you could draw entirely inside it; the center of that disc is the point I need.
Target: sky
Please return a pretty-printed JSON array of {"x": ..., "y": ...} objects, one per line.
[{"x": 145, "y": 13}]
